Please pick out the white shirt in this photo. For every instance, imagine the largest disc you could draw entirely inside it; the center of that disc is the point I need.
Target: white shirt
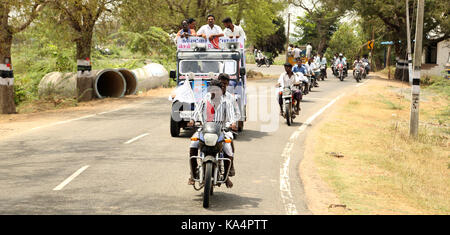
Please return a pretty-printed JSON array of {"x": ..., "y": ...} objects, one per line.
[
  {"x": 205, "y": 29},
  {"x": 310, "y": 68},
  {"x": 323, "y": 61},
  {"x": 286, "y": 81},
  {"x": 308, "y": 50},
  {"x": 238, "y": 31},
  {"x": 297, "y": 52}
]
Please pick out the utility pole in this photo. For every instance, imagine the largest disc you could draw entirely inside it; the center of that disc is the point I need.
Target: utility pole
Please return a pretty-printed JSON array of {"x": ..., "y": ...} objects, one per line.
[
  {"x": 288, "y": 33},
  {"x": 415, "y": 97},
  {"x": 408, "y": 35}
]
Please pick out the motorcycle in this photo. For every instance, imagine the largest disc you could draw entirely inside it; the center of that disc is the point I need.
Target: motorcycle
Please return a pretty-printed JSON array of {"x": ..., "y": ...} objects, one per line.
[
  {"x": 323, "y": 72},
  {"x": 316, "y": 77},
  {"x": 312, "y": 82},
  {"x": 289, "y": 105},
  {"x": 366, "y": 69},
  {"x": 358, "y": 72},
  {"x": 211, "y": 162},
  {"x": 340, "y": 69},
  {"x": 263, "y": 61}
]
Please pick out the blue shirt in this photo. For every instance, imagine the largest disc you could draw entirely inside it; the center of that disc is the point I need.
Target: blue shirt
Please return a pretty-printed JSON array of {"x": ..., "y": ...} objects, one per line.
[{"x": 297, "y": 69}]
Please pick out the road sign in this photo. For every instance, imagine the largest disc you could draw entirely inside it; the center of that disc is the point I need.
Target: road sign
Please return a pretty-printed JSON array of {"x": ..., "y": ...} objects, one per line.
[{"x": 370, "y": 45}]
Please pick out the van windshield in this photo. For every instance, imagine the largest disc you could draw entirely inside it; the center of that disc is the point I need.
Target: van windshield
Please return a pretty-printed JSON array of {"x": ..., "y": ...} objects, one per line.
[{"x": 208, "y": 66}]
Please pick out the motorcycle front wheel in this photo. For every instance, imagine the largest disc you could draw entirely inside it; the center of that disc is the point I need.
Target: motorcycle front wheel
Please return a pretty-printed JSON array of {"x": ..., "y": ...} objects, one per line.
[
  {"x": 208, "y": 184},
  {"x": 267, "y": 63},
  {"x": 288, "y": 114}
]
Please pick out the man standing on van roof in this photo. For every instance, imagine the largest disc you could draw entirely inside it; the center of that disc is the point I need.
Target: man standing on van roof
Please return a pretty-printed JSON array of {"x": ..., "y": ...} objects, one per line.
[
  {"x": 210, "y": 31},
  {"x": 231, "y": 30}
]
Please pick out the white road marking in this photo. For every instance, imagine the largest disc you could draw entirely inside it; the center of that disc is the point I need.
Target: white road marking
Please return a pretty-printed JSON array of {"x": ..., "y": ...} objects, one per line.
[
  {"x": 285, "y": 186},
  {"x": 134, "y": 139},
  {"x": 67, "y": 181},
  {"x": 76, "y": 119}
]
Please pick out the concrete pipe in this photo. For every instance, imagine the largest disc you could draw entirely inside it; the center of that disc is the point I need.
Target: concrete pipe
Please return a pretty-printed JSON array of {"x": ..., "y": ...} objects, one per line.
[
  {"x": 151, "y": 76},
  {"x": 131, "y": 81},
  {"x": 109, "y": 83},
  {"x": 57, "y": 83}
]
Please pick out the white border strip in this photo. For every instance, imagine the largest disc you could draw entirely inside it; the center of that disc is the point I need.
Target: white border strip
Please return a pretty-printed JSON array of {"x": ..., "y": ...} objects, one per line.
[
  {"x": 285, "y": 187},
  {"x": 67, "y": 181}
]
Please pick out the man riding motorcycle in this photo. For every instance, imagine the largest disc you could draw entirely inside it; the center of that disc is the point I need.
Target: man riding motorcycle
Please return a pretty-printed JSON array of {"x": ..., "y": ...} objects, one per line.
[
  {"x": 323, "y": 65},
  {"x": 300, "y": 68},
  {"x": 224, "y": 110},
  {"x": 290, "y": 79},
  {"x": 341, "y": 60}
]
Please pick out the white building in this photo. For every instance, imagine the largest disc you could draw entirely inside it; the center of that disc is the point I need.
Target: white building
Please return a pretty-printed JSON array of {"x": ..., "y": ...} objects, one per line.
[{"x": 435, "y": 58}]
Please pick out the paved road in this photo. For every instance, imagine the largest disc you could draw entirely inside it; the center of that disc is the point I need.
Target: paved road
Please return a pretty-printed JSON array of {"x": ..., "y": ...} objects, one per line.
[{"x": 113, "y": 172}]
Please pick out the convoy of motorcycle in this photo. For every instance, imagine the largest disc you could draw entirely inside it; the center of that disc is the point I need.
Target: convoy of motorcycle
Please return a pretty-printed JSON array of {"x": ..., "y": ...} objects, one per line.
[{"x": 199, "y": 62}]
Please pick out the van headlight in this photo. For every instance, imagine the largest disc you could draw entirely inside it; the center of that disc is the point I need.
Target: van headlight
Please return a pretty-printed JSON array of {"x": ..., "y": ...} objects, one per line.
[{"x": 211, "y": 139}]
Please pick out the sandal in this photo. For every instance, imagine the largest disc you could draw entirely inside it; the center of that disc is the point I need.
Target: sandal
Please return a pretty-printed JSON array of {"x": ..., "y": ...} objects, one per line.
[{"x": 228, "y": 183}]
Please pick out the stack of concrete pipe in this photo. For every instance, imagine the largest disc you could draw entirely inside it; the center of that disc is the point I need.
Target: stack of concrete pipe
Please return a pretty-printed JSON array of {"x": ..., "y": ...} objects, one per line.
[{"x": 114, "y": 83}]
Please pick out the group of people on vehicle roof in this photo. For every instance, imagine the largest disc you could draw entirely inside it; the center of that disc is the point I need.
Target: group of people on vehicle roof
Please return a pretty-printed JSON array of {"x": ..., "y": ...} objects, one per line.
[{"x": 211, "y": 30}]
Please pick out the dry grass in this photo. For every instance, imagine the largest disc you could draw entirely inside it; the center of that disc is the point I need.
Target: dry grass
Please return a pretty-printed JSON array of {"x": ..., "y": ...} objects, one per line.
[{"x": 383, "y": 170}]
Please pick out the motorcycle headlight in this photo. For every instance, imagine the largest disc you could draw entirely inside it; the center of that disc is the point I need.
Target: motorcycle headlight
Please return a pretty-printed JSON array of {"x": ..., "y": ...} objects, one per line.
[{"x": 211, "y": 139}]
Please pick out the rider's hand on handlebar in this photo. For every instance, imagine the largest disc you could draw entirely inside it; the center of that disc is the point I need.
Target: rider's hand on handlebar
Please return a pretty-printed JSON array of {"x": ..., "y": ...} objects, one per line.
[
  {"x": 234, "y": 127},
  {"x": 191, "y": 123}
]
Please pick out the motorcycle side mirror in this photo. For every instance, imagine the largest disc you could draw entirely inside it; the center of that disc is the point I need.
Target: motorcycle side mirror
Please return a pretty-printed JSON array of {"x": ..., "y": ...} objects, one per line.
[{"x": 173, "y": 74}]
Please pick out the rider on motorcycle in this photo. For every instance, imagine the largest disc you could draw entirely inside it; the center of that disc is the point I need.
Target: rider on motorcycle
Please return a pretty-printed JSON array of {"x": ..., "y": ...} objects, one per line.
[
  {"x": 300, "y": 68},
  {"x": 323, "y": 64},
  {"x": 290, "y": 79},
  {"x": 341, "y": 60},
  {"x": 366, "y": 63},
  {"x": 224, "y": 111}
]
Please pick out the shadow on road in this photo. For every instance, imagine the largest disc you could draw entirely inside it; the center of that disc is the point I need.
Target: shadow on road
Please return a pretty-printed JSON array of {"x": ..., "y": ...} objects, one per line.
[
  {"x": 249, "y": 135},
  {"x": 221, "y": 201}
]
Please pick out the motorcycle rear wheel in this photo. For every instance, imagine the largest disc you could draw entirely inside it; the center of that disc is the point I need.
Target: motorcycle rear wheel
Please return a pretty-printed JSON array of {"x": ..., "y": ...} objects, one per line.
[{"x": 208, "y": 184}]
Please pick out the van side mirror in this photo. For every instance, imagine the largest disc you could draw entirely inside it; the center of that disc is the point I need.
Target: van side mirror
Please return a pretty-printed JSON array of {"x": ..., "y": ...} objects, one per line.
[
  {"x": 242, "y": 72},
  {"x": 173, "y": 74}
]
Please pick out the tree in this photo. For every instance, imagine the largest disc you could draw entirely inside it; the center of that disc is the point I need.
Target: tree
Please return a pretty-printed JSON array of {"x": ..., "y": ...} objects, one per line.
[
  {"x": 320, "y": 21},
  {"x": 82, "y": 16},
  {"x": 392, "y": 15},
  {"x": 274, "y": 43},
  {"x": 345, "y": 40},
  {"x": 15, "y": 16}
]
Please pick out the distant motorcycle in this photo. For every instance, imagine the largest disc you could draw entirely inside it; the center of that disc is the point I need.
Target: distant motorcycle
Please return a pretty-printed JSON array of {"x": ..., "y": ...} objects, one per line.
[
  {"x": 323, "y": 72},
  {"x": 358, "y": 72},
  {"x": 366, "y": 69},
  {"x": 340, "y": 69},
  {"x": 264, "y": 61}
]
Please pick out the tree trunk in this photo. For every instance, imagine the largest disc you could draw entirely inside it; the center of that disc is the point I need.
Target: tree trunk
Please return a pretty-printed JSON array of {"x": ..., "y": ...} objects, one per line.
[
  {"x": 84, "y": 44},
  {"x": 401, "y": 68},
  {"x": 7, "y": 105},
  {"x": 85, "y": 89}
]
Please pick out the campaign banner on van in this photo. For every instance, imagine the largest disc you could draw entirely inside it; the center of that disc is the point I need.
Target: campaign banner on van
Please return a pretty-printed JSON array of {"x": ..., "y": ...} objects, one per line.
[{"x": 189, "y": 44}]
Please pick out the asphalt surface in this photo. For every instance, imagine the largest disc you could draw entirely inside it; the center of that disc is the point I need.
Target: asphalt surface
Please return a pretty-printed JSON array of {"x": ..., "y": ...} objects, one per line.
[{"x": 114, "y": 172}]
